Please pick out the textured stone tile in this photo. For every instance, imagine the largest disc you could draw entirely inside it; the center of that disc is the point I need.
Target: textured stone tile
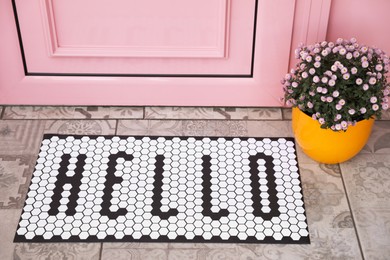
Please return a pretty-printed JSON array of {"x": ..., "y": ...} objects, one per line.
[
  {"x": 20, "y": 136},
  {"x": 84, "y": 112},
  {"x": 228, "y": 113},
  {"x": 149, "y": 127},
  {"x": 379, "y": 141},
  {"x": 367, "y": 181},
  {"x": 9, "y": 221},
  {"x": 324, "y": 194},
  {"x": 374, "y": 232},
  {"x": 214, "y": 128},
  {"x": 287, "y": 113},
  {"x": 135, "y": 245},
  {"x": 81, "y": 127},
  {"x": 260, "y": 113},
  {"x": 325, "y": 245},
  {"x": 15, "y": 175},
  {"x": 204, "y": 253},
  {"x": 182, "y": 113},
  {"x": 202, "y": 246},
  {"x": 38, "y": 112},
  {"x": 58, "y": 251},
  {"x": 182, "y": 127},
  {"x": 135, "y": 251},
  {"x": 127, "y": 112},
  {"x": 94, "y": 112},
  {"x": 269, "y": 128},
  {"x": 386, "y": 115},
  {"x": 265, "y": 113}
]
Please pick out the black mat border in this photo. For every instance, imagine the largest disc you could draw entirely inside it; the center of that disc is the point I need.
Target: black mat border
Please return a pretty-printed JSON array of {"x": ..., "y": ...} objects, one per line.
[{"x": 164, "y": 239}]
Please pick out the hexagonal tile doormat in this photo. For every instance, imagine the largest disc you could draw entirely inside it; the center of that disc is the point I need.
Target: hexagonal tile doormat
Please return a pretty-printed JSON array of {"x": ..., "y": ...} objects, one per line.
[{"x": 168, "y": 189}]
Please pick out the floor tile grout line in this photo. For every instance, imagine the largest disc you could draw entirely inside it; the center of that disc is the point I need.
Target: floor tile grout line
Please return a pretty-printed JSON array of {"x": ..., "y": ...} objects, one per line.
[
  {"x": 283, "y": 114},
  {"x": 352, "y": 215},
  {"x": 2, "y": 112},
  {"x": 116, "y": 126},
  {"x": 208, "y": 119},
  {"x": 101, "y": 251},
  {"x": 71, "y": 119},
  {"x": 152, "y": 119}
]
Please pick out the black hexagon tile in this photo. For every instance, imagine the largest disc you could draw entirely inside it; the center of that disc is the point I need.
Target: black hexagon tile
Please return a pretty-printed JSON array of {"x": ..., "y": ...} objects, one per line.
[{"x": 168, "y": 189}]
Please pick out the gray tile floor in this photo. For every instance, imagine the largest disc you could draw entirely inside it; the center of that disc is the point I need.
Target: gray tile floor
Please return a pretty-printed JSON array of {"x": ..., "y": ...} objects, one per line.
[{"x": 348, "y": 205}]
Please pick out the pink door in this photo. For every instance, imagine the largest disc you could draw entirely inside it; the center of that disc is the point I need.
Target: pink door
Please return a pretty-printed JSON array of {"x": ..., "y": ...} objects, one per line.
[{"x": 150, "y": 52}]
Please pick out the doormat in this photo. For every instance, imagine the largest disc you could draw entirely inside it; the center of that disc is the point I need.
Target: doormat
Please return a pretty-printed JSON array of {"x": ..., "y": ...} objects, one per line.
[{"x": 164, "y": 189}]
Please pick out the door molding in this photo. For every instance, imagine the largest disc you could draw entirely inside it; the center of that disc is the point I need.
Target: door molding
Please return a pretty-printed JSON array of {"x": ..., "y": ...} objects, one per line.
[{"x": 216, "y": 50}]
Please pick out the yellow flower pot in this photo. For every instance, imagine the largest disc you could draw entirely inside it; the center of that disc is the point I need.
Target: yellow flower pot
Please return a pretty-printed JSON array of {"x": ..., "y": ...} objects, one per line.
[{"x": 325, "y": 145}]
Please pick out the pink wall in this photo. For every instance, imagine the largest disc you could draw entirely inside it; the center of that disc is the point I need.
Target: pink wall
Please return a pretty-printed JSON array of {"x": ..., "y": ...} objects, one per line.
[{"x": 367, "y": 21}]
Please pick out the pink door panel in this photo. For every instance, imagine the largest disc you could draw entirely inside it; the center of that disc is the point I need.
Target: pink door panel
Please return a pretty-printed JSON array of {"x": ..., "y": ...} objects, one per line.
[
  {"x": 137, "y": 37},
  {"x": 131, "y": 28},
  {"x": 150, "y": 52}
]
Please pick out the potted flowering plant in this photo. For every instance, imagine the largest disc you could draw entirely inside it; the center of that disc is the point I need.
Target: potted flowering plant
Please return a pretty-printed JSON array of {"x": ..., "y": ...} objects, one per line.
[{"x": 338, "y": 84}]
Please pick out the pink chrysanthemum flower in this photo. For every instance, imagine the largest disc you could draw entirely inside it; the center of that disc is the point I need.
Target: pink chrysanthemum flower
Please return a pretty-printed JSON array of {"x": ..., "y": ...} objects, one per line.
[{"x": 339, "y": 82}]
